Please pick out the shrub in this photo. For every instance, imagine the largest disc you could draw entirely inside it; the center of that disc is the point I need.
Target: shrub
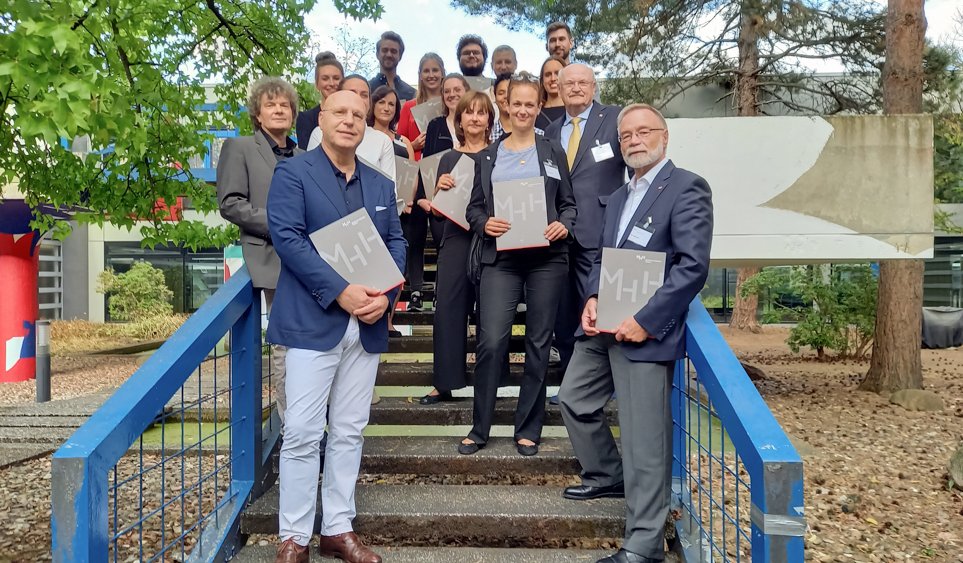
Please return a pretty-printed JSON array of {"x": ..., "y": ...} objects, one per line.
[
  {"x": 840, "y": 306},
  {"x": 138, "y": 294}
]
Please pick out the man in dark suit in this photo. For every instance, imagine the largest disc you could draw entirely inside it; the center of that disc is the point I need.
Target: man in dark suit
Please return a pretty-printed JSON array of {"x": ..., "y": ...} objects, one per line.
[
  {"x": 334, "y": 331},
  {"x": 589, "y": 135},
  {"x": 244, "y": 172},
  {"x": 662, "y": 209}
]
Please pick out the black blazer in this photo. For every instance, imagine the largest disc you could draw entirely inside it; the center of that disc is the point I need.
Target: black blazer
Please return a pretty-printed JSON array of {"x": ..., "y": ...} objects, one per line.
[
  {"x": 482, "y": 206},
  {"x": 437, "y": 137},
  {"x": 306, "y": 122}
]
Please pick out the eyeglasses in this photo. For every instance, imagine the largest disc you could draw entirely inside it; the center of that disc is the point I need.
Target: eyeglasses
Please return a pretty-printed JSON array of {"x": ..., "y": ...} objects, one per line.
[
  {"x": 643, "y": 133},
  {"x": 582, "y": 84},
  {"x": 344, "y": 114}
]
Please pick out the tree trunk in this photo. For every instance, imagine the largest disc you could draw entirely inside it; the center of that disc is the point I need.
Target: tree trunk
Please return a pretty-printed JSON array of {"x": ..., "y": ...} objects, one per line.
[
  {"x": 896, "y": 363},
  {"x": 747, "y": 94}
]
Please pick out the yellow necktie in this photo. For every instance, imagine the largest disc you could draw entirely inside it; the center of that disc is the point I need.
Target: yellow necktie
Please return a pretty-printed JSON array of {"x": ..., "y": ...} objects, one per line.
[{"x": 573, "y": 141}]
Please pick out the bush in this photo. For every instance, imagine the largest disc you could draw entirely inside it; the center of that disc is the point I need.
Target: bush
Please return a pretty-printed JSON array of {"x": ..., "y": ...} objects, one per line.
[
  {"x": 138, "y": 294},
  {"x": 840, "y": 306}
]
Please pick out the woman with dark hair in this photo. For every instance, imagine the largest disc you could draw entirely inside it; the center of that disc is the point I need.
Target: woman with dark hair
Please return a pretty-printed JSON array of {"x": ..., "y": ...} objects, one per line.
[
  {"x": 431, "y": 72},
  {"x": 537, "y": 274},
  {"x": 474, "y": 118},
  {"x": 328, "y": 73},
  {"x": 503, "y": 125},
  {"x": 552, "y": 106},
  {"x": 383, "y": 115}
]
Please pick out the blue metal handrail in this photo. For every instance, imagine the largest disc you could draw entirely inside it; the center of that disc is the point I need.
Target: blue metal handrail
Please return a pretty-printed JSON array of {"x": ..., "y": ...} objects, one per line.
[
  {"x": 80, "y": 471},
  {"x": 723, "y": 392}
]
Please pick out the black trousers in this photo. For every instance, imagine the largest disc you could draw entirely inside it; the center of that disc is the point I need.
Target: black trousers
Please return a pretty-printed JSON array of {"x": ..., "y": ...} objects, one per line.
[
  {"x": 538, "y": 275},
  {"x": 414, "y": 225},
  {"x": 574, "y": 294},
  {"x": 454, "y": 301}
]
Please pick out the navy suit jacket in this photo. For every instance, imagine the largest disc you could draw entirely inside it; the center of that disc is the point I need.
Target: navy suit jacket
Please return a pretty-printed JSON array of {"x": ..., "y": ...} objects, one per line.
[
  {"x": 304, "y": 197},
  {"x": 679, "y": 204},
  {"x": 593, "y": 182}
]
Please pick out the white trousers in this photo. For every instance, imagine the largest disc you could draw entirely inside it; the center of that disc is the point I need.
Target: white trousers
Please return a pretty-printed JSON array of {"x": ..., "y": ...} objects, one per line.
[
  {"x": 333, "y": 386},
  {"x": 277, "y": 362}
]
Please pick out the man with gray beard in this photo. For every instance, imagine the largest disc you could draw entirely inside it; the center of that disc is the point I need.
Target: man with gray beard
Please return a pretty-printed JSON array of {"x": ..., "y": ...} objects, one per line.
[{"x": 662, "y": 209}]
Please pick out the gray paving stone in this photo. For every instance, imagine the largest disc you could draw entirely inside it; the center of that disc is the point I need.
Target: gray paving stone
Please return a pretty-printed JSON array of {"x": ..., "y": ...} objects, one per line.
[
  {"x": 11, "y": 454},
  {"x": 472, "y": 515}
]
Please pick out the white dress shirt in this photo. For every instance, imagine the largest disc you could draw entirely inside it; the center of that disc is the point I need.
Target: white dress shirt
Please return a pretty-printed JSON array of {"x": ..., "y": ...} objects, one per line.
[
  {"x": 637, "y": 190},
  {"x": 566, "y": 132}
]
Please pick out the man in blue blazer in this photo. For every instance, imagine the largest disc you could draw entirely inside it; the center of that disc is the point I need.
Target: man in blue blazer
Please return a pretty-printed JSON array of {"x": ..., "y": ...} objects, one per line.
[
  {"x": 590, "y": 138},
  {"x": 334, "y": 331},
  {"x": 663, "y": 209}
]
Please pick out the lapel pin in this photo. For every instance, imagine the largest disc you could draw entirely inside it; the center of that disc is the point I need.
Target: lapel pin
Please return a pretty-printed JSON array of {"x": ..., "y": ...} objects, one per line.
[{"x": 660, "y": 187}]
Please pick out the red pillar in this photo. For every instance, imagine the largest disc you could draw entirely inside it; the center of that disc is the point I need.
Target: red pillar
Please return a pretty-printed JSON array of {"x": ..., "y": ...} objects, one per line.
[{"x": 19, "y": 262}]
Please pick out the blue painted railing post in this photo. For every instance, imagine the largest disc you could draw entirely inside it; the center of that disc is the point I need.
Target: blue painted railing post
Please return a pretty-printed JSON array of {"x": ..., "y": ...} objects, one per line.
[
  {"x": 79, "y": 517},
  {"x": 679, "y": 407},
  {"x": 246, "y": 393}
]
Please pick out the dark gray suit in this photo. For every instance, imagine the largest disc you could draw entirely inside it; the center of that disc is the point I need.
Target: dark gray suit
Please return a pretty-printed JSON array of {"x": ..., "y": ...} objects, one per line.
[
  {"x": 244, "y": 173},
  {"x": 592, "y": 183},
  {"x": 677, "y": 211}
]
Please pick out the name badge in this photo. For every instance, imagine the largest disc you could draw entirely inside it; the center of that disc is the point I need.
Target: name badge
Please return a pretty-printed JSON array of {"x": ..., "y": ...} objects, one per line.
[
  {"x": 602, "y": 152},
  {"x": 552, "y": 171},
  {"x": 640, "y": 236}
]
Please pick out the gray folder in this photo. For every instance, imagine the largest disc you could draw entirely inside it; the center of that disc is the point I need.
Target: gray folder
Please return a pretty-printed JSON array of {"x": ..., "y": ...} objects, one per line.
[
  {"x": 453, "y": 203},
  {"x": 479, "y": 83},
  {"x": 429, "y": 172},
  {"x": 425, "y": 112},
  {"x": 406, "y": 172},
  {"x": 521, "y": 203},
  {"x": 356, "y": 251},
  {"x": 628, "y": 280}
]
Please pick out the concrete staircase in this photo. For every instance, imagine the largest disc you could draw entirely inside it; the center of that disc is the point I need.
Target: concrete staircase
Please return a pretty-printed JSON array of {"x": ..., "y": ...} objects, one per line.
[{"x": 420, "y": 501}]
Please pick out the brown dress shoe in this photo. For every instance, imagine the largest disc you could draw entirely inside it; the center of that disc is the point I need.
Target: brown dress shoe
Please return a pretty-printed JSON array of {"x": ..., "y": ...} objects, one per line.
[
  {"x": 347, "y": 547},
  {"x": 290, "y": 552}
]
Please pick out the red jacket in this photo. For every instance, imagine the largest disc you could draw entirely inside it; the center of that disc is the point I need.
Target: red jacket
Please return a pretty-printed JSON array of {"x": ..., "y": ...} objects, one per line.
[{"x": 407, "y": 126}]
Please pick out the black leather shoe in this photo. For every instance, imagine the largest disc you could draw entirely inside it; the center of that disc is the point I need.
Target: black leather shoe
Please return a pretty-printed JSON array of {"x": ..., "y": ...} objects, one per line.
[
  {"x": 622, "y": 556},
  {"x": 526, "y": 450},
  {"x": 435, "y": 399},
  {"x": 469, "y": 449},
  {"x": 588, "y": 492}
]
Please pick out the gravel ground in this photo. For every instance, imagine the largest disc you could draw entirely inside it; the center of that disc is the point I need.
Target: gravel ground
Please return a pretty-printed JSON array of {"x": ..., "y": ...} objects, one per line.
[
  {"x": 73, "y": 376},
  {"x": 876, "y": 478}
]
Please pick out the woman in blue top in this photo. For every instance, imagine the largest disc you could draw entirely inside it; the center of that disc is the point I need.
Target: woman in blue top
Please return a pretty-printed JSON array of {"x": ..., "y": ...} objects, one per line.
[{"x": 506, "y": 274}]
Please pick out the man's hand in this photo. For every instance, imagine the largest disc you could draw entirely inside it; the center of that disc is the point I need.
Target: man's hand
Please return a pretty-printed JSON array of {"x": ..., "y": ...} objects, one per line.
[
  {"x": 496, "y": 227},
  {"x": 425, "y": 205},
  {"x": 355, "y": 297},
  {"x": 589, "y": 316},
  {"x": 370, "y": 313},
  {"x": 555, "y": 231},
  {"x": 631, "y": 331},
  {"x": 445, "y": 182}
]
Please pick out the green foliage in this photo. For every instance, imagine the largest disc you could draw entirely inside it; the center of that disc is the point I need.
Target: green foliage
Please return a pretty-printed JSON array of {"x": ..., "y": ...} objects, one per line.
[
  {"x": 840, "y": 306},
  {"x": 948, "y": 158},
  {"x": 136, "y": 295},
  {"x": 130, "y": 76}
]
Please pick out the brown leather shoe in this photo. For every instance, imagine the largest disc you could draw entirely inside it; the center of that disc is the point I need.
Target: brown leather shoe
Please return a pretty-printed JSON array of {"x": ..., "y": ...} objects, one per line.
[
  {"x": 347, "y": 547},
  {"x": 290, "y": 552}
]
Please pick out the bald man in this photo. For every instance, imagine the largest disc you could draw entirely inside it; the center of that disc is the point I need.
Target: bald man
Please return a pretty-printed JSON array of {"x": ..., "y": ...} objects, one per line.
[{"x": 334, "y": 331}]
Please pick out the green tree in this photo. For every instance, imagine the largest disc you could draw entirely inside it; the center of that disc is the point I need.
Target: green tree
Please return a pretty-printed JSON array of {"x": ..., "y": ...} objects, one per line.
[
  {"x": 139, "y": 293},
  {"x": 130, "y": 76}
]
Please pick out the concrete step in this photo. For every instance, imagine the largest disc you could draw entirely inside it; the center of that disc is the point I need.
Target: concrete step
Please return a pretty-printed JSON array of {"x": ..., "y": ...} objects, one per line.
[
  {"x": 438, "y": 455},
  {"x": 265, "y": 554},
  {"x": 398, "y": 410},
  {"x": 11, "y": 454},
  {"x": 420, "y": 374},
  {"x": 423, "y": 344},
  {"x": 30, "y": 435},
  {"x": 42, "y": 421},
  {"x": 469, "y": 515},
  {"x": 427, "y": 318}
]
